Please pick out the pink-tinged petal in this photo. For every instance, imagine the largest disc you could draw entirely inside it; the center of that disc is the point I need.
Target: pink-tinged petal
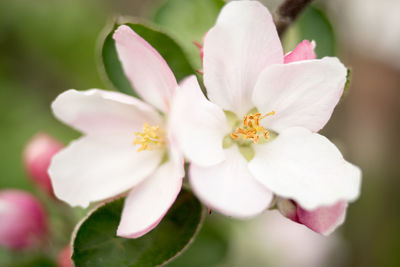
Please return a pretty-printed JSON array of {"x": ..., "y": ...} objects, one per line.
[
  {"x": 323, "y": 220},
  {"x": 95, "y": 168},
  {"x": 198, "y": 124},
  {"x": 145, "y": 68},
  {"x": 307, "y": 168},
  {"x": 302, "y": 94},
  {"x": 23, "y": 220},
  {"x": 98, "y": 112},
  {"x": 243, "y": 42},
  {"x": 37, "y": 156},
  {"x": 303, "y": 51},
  {"x": 229, "y": 187},
  {"x": 148, "y": 202}
]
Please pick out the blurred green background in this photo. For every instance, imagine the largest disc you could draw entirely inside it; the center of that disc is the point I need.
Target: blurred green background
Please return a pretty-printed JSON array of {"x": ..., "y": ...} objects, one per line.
[{"x": 48, "y": 46}]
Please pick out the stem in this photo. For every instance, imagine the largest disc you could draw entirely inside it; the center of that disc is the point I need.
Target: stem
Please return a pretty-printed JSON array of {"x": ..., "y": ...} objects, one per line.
[{"x": 288, "y": 12}]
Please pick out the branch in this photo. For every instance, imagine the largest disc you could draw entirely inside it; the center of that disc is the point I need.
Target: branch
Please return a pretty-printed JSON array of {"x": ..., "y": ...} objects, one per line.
[{"x": 288, "y": 12}]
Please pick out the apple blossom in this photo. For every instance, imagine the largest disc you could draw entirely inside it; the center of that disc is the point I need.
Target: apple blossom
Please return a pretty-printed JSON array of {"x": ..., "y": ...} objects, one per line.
[
  {"x": 37, "y": 156},
  {"x": 23, "y": 220},
  {"x": 127, "y": 144},
  {"x": 255, "y": 138}
]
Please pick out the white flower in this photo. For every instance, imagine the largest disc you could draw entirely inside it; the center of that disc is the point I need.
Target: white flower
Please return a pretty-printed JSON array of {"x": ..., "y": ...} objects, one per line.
[
  {"x": 256, "y": 136},
  {"x": 127, "y": 144}
]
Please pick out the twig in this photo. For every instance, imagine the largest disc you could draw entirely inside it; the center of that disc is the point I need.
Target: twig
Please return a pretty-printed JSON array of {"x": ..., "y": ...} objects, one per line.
[{"x": 288, "y": 12}]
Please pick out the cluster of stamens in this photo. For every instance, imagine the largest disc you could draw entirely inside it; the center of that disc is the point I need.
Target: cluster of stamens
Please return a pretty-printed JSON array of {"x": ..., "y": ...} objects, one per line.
[
  {"x": 251, "y": 128},
  {"x": 149, "y": 138}
]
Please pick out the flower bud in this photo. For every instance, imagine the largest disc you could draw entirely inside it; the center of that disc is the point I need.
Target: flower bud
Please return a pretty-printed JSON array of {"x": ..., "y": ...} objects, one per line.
[
  {"x": 37, "y": 157},
  {"x": 23, "y": 221},
  {"x": 323, "y": 220},
  {"x": 64, "y": 258}
]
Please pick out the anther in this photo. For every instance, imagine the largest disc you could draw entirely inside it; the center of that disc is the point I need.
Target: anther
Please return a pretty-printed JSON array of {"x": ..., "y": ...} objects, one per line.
[
  {"x": 149, "y": 138},
  {"x": 234, "y": 136},
  {"x": 268, "y": 114},
  {"x": 251, "y": 127}
]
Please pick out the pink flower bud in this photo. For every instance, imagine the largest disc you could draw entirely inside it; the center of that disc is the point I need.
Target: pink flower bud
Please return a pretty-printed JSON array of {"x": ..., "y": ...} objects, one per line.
[
  {"x": 64, "y": 258},
  {"x": 37, "y": 156},
  {"x": 23, "y": 221},
  {"x": 323, "y": 220}
]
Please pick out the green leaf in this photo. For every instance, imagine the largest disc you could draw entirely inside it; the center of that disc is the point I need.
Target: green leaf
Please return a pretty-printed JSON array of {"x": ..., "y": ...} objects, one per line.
[
  {"x": 188, "y": 20},
  {"x": 113, "y": 68},
  {"x": 162, "y": 42},
  {"x": 96, "y": 243},
  {"x": 312, "y": 25},
  {"x": 210, "y": 248}
]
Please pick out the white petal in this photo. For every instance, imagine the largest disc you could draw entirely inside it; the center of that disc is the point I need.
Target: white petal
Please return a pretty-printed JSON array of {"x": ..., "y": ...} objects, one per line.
[
  {"x": 99, "y": 112},
  {"x": 302, "y": 93},
  {"x": 307, "y": 168},
  {"x": 96, "y": 168},
  {"x": 147, "y": 203},
  {"x": 242, "y": 43},
  {"x": 146, "y": 69},
  {"x": 229, "y": 187},
  {"x": 174, "y": 153},
  {"x": 198, "y": 124}
]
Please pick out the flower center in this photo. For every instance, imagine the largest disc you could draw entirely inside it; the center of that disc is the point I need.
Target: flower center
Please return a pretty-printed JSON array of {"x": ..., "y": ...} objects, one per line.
[
  {"x": 150, "y": 138},
  {"x": 251, "y": 129}
]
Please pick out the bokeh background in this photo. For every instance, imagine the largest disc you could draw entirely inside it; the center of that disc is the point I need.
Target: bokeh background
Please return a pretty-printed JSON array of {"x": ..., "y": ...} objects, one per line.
[{"x": 48, "y": 46}]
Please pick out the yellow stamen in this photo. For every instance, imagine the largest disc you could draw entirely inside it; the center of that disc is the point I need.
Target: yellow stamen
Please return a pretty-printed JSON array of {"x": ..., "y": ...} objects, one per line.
[
  {"x": 150, "y": 138},
  {"x": 268, "y": 114},
  {"x": 234, "y": 136},
  {"x": 251, "y": 128}
]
